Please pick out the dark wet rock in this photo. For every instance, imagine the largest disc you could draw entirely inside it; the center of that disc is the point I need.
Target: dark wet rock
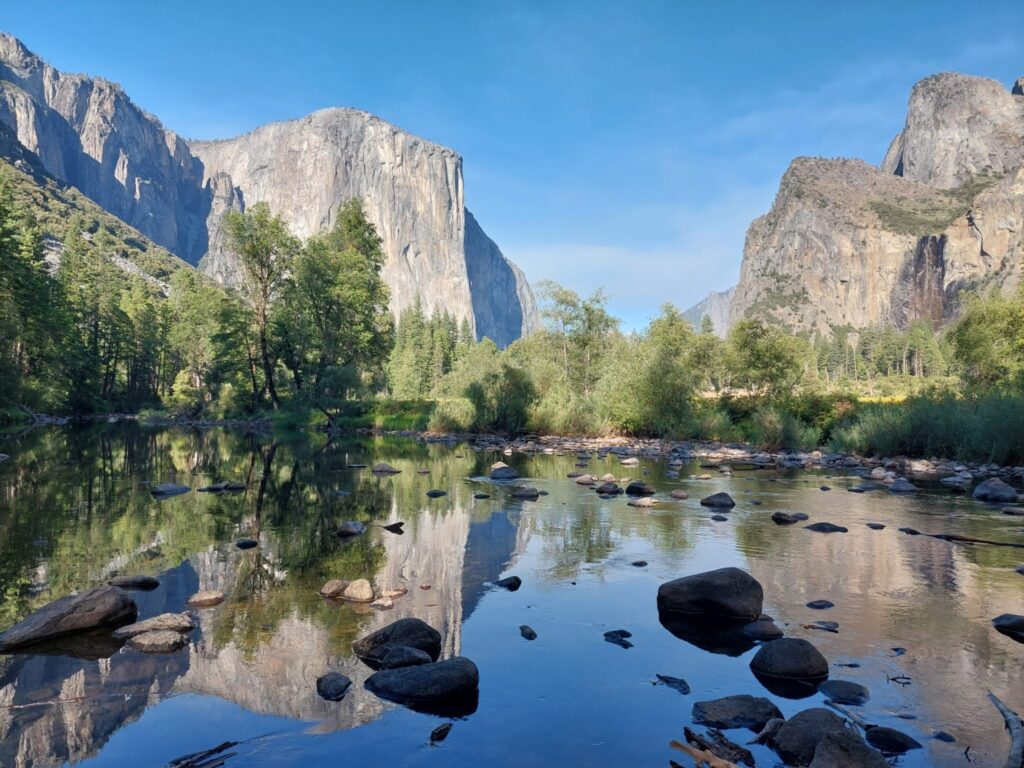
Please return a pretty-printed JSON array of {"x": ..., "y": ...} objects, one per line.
[
  {"x": 158, "y": 641},
  {"x": 351, "y": 528},
  {"x": 800, "y": 515},
  {"x": 383, "y": 468},
  {"x": 397, "y": 656},
  {"x": 845, "y": 692},
  {"x": 134, "y": 582},
  {"x": 679, "y": 493},
  {"x": 526, "y": 493},
  {"x": 726, "y": 593},
  {"x": 479, "y": 496},
  {"x": 333, "y": 686},
  {"x": 247, "y": 543},
  {"x": 206, "y": 598},
  {"x": 944, "y": 736},
  {"x": 640, "y": 488},
  {"x": 440, "y": 733},
  {"x": 1020, "y": 570},
  {"x": 639, "y": 563},
  {"x": 995, "y": 491},
  {"x": 762, "y": 629},
  {"x": 720, "y": 500},
  {"x": 875, "y": 526},
  {"x": 166, "y": 490},
  {"x": 99, "y": 607},
  {"x": 675, "y": 683},
  {"x": 820, "y": 605},
  {"x": 574, "y": 475},
  {"x": 527, "y": 632},
  {"x": 756, "y": 502},
  {"x": 826, "y": 528},
  {"x": 511, "y": 583},
  {"x": 902, "y": 485},
  {"x": 714, "y": 635},
  {"x": 845, "y": 749},
  {"x": 719, "y": 518},
  {"x": 897, "y": 651},
  {"x": 889, "y": 740},
  {"x": 410, "y": 632},
  {"x": 825, "y": 488},
  {"x": 1014, "y": 511},
  {"x": 436, "y": 493},
  {"x": 429, "y": 684},
  {"x": 783, "y": 518},
  {"x": 394, "y": 527},
  {"x": 799, "y": 737},
  {"x": 502, "y": 471},
  {"x": 608, "y": 489},
  {"x": 743, "y": 711},
  {"x": 222, "y": 487},
  {"x": 790, "y": 658},
  {"x": 1011, "y": 625},
  {"x": 171, "y": 622},
  {"x": 618, "y": 637},
  {"x": 828, "y": 626}
]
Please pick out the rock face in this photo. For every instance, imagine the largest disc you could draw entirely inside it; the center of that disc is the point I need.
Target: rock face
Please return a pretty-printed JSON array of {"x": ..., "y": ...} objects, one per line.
[
  {"x": 849, "y": 244},
  {"x": 100, "y": 607},
  {"x": 88, "y": 133},
  {"x": 716, "y": 306}
]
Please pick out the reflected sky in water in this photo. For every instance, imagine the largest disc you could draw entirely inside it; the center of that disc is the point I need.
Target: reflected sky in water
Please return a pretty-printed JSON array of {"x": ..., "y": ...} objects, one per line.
[{"x": 75, "y": 508}]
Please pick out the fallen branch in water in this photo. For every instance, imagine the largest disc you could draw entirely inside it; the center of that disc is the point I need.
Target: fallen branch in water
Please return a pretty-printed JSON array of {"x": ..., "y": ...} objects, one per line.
[
  {"x": 958, "y": 539},
  {"x": 1016, "y": 729},
  {"x": 702, "y": 758},
  {"x": 208, "y": 758},
  {"x": 706, "y": 750},
  {"x": 844, "y": 711}
]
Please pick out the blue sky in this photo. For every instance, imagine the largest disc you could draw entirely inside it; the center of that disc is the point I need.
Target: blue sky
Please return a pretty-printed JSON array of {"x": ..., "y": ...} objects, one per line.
[{"x": 617, "y": 144}]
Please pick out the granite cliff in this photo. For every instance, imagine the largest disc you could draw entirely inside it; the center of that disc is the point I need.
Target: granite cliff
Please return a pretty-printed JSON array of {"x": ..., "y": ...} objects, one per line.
[
  {"x": 848, "y": 244},
  {"x": 86, "y": 132}
]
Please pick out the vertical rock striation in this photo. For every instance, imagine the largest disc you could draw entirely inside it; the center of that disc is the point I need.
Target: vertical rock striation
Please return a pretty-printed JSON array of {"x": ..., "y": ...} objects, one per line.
[{"x": 88, "y": 133}]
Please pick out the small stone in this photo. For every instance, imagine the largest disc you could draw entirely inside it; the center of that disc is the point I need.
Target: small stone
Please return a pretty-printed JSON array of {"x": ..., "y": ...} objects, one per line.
[
  {"x": 207, "y": 598},
  {"x": 825, "y": 528},
  {"x": 825, "y": 488},
  {"x": 481, "y": 496},
  {"x": 890, "y": 741},
  {"x": 527, "y": 632},
  {"x": 743, "y": 711},
  {"x": 383, "y": 603},
  {"x": 440, "y": 733},
  {"x": 790, "y": 658},
  {"x": 944, "y": 736},
  {"x": 875, "y": 526},
  {"x": 618, "y": 637},
  {"x": 394, "y": 527},
  {"x": 679, "y": 493},
  {"x": 675, "y": 683},
  {"x": 383, "y": 468},
  {"x": 502, "y": 471},
  {"x": 643, "y": 502},
  {"x": 166, "y": 490},
  {"x": 511, "y": 583},
  {"x": 638, "y": 488},
  {"x": 845, "y": 692},
  {"x": 526, "y": 493},
  {"x": 246, "y": 543},
  {"x": 436, "y": 493},
  {"x": 333, "y": 686},
  {"x": 351, "y": 528},
  {"x": 721, "y": 499},
  {"x": 158, "y": 641},
  {"x": 639, "y": 563},
  {"x": 412, "y": 633},
  {"x": 762, "y": 629},
  {"x": 719, "y": 518},
  {"x": 334, "y": 588},
  {"x": 783, "y": 518},
  {"x": 359, "y": 591},
  {"x": 820, "y": 605}
]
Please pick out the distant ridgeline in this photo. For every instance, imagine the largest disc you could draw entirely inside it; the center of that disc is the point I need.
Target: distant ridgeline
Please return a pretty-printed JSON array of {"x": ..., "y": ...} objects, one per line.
[
  {"x": 847, "y": 245},
  {"x": 85, "y": 132}
]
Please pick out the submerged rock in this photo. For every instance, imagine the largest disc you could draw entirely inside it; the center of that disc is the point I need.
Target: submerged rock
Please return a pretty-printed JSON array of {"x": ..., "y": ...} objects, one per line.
[
  {"x": 436, "y": 493},
  {"x": 762, "y": 629},
  {"x": 679, "y": 493},
  {"x": 351, "y": 528},
  {"x": 383, "y": 468},
  {"x": 743, "y": 711},
  {"x": 440, "y": 733},
  {"x": 526, "y": 493},
  {"x": 427, "y": 684},
  {"x": 799, "y": 737},
  {"x": 1011, "y": 625},
  {"x": 172, "y": 622},
  {"x": 158, "y": 641},
  {"x": 889, "y": 740},
  {"x": 784, "y": 518},
  {"x": 619, "y": 637},
  {"x": 845, "y": 692},
  {"x": 720, "y": 500},
  {"x": 206, "y": 598},
  {"x": 166, "y": 490},
  {"x": 728, "y": 593},
  {"x": 790, "y": 658},
  {"x": 413, "y": 633},
  {"x": 333, "y": 686},
  {"x": 845, "y": 749},
  {"x": 826, "y": 528},
  {"x": 527, "y": 632},
  {"x": 134, "y": 582},
  {"x": 643, "y": 502},
  {"x": 902, "y": 485},
  {"x": 99, "y": 607},
  {"x": 995, "y": 491},
  {"x": 675, "y": 683},
  {"x": 511, "y": 583}
]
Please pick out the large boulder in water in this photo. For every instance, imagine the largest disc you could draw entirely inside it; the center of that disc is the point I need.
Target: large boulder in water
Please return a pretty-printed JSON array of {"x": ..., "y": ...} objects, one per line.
[
  {"x": 100, "y": 607},
  {"x": 845, "y": 749},
  {"x": 995, "y": 491},
  {"x": 799, "y": 737},
  {"x": 411, "y": 633},
  {"x": 720, "y": 500},
  {"x": 741, "y": 711},
  {"x": 790, "y": 657},
  {"x": 502, "y": 471},
  {"x": 427, "y": 685},
  {"x": 725, "y": 593},
  {"x": 640, "y": 488}
]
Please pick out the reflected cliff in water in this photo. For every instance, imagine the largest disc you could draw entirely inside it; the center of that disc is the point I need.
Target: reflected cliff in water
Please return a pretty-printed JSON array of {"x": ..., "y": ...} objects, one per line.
[{"x": 70, "y": 525}]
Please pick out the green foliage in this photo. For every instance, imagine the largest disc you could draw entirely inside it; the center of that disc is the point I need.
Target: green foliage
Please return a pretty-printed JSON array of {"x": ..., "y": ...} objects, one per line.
[
  {"x": 929, "y": 215},
  {"x": 764, "y": 359},
  {"x": 988, "y": 343}
]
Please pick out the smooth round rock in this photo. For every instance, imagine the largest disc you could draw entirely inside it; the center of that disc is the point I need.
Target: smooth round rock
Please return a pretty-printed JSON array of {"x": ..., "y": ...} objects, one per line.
[
  {"x": 798, "y": 738},
  {"x": 720, "y": 500},
  {"x": 502, "y": 471},
  {"x": 762, "y": 629},
  {"x": 426, "y": 684},
  {"x": 333, "y": 686},
  {"x": 397, "y": 656},
  {"x": 820, "y": 605},
  {"x": 511, "y": 583},
  {"x": 889, "y": 740},
  {"x": 845, "y": 692},
  {"x": 436, "y": 493},
  {"x": 334, "y": 588},
  {"x": 410, "y": 632},
  {"x": 359, "y": 591},
  {"x": 158, "y": 641},
  {"x": 790, "y": 658},
  {"x": 725, "y": 592},
  {"x": 206, "y": 598},
  {"x": 247, "y": 543},
  {"x": 826, "y": 528},
  {"x": 845, "y": 749},
  {"x": 995, "y": 491},
  {"x": 640, "y": 488},
  {"x": 783, "y": 518}
]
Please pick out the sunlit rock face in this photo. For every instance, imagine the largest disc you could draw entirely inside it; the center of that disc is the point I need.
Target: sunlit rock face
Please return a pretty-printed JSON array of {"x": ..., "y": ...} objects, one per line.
[
  {"x": 87, "y": 132},
  {"x": 847, "y": 244}
]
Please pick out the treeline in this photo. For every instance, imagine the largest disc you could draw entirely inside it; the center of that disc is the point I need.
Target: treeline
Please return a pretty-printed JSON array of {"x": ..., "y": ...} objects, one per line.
[{"x": 82, "y": 333}]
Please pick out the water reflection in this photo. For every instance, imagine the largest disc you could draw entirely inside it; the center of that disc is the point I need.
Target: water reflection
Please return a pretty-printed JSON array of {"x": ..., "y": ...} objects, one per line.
[{"x": 75, "y": 508}]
